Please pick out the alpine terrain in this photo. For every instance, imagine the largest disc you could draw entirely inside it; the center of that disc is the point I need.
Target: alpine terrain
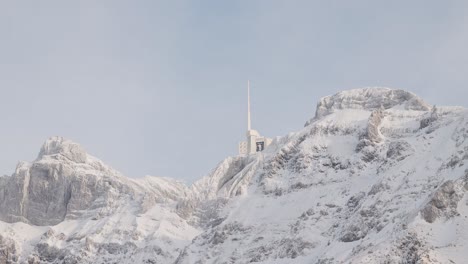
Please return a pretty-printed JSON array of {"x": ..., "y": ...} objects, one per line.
[{"x": 376, "y": 176}]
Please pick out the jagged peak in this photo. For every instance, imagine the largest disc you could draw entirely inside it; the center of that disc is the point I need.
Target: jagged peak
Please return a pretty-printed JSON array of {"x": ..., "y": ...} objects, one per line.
[
  {"x": 65, "y": 147},
  {"x": 370, "y": 98}
]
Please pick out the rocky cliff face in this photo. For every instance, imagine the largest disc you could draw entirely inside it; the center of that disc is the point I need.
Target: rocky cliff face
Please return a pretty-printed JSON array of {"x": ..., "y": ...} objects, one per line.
[
  {"x": 377, "y": 176},
  {"x": 64, "y": 182}
]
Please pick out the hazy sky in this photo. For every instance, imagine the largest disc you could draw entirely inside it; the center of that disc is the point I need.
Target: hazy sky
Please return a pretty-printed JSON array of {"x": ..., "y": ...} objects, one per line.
[{"x": 158, "y": 87}]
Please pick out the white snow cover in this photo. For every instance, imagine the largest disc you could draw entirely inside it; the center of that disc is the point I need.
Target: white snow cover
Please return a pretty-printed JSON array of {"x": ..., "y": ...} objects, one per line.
[{"x": 377, "y": 176}]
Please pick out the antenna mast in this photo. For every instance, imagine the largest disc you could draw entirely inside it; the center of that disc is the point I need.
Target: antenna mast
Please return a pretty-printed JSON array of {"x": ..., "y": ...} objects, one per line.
[{"x": 248, "y": 106}]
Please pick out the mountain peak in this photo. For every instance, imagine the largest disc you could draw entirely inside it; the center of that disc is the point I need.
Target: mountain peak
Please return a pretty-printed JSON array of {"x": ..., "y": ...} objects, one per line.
[
  {"x": 360, "y": 185},
  {"x": 61, "y": 146},
  {"x": 370, "y": 98}
]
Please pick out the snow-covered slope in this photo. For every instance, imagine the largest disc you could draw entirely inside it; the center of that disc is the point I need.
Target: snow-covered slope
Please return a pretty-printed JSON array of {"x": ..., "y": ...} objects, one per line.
[{"x": 377, "y": 176}]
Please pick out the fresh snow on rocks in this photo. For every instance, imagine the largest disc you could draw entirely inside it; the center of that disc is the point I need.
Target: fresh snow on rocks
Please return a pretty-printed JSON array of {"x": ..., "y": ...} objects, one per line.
[{"x": 377, "y": 176}]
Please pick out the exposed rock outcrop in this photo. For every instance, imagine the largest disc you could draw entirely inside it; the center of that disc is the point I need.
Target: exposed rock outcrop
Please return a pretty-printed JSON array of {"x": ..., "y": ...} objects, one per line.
[
  {"x": 373, "y": 132},
  {"x": 8, "y": 250},
  {"x": 370, "y": 99},
  {"x": 427, "y": 121},
  {"x": 444, "y": 202},
  {"x": 58, "y": 146}
]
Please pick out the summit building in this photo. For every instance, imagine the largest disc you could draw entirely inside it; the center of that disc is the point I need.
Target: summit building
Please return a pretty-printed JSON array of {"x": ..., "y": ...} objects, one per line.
[{"x": 255, "y": 142}]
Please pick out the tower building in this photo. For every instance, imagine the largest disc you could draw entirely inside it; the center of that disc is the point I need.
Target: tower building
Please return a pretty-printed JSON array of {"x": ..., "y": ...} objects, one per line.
[{"x": 255, "y": 142}]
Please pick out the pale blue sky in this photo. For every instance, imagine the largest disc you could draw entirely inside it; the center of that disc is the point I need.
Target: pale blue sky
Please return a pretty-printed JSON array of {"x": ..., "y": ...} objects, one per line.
[{"x": 158, "y": 87}]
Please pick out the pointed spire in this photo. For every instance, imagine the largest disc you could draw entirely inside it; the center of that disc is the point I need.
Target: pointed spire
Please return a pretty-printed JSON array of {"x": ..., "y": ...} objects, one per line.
[{"x": 248, "y": 106}]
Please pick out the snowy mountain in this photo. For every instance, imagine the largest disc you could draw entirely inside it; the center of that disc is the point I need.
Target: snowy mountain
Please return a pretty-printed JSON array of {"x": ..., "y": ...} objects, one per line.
[{"x": 377, "y": 176}]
